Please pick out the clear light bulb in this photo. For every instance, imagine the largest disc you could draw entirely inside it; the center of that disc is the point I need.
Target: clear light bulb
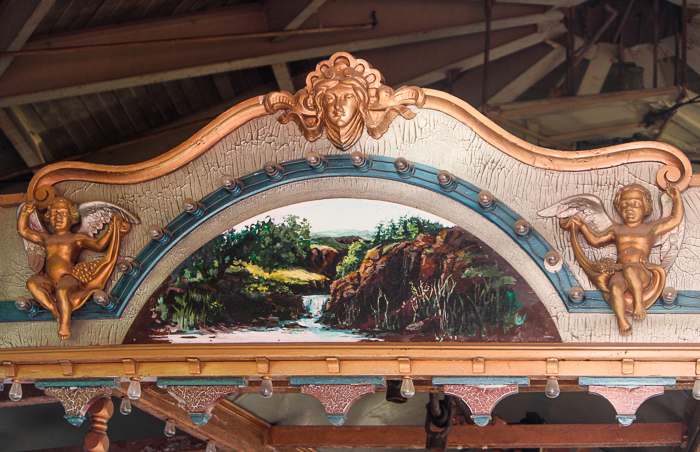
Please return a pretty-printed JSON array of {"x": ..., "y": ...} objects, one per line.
[
  {"x": 134, "y": 391},
  {"x": 696, "y": 389},
  {"x": 169, "y": 428},
  {"x": 266, "y": 387},
  {"x": 552, "y": 389},
  {"x": 211, "y": 447},
  {"x": 407, "y": 389},
  {"x": 16, "y": 391},
  {"x": 125, "y": 407}
]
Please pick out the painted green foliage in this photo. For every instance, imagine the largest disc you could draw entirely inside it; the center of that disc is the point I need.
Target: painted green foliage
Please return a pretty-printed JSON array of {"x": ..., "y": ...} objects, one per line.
[{"x": 413, "y": 277}]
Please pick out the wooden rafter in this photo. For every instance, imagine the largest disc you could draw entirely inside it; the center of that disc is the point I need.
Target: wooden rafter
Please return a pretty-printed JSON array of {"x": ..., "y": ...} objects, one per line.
[
  {"x": 147, "y": 66},
  {"x": 231, "y": 427},
  {"x": 472, "y": 436},
  {"x": 477, "y": 60},
  {"x": 17, "y": 22},
  {"x": 300, "y": 18}
]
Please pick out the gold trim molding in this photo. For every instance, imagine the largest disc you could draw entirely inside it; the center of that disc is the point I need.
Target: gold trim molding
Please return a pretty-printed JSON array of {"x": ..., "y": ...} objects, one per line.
[
  {"x": 285, "y": 360},
  {"x": 676, "y": 168}
]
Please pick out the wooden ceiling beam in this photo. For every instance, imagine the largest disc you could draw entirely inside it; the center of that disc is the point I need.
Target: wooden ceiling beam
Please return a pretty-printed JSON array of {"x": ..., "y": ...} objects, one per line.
[
  {"x": 231, "y": 427},
  {"x": 300, "y": 18},
  {"x": 177, "y": 443},
  {"x": 28, "y": 146},
  {"x": 18, "y": 20},
  {"x": 532, "y": 75},
  {"x": 599, "y": 65},
  {"x": 477, "y": 60},
  {"x": 57, "y": 76},
  {"x": 472, "y": 436},
  {"x": 547, "y": 106}
]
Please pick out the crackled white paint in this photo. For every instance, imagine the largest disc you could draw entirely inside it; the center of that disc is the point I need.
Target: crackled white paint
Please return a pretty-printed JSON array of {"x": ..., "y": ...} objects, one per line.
[{"x": 431, "y": 138}]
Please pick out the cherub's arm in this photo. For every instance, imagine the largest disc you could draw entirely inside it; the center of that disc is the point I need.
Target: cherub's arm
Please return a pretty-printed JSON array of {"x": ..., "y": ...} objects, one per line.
[
  {"x": 665, "y": 225},
  {"x": 25, "y": 230},
  {"x": 592, "y": 237}
]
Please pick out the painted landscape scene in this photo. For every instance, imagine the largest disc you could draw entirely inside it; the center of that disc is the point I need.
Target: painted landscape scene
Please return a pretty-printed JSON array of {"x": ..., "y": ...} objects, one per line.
[{"x": 344, "y": 270}]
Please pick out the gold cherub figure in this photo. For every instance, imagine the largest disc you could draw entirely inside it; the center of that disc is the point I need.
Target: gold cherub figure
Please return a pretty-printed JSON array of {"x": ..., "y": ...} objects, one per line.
[
  {"x": 60, "y": 284},
  {"x": 631, "y": 283}
]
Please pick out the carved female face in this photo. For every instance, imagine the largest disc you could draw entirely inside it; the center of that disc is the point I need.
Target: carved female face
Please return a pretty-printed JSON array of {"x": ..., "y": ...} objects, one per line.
[{"x": 340, "y": 105}]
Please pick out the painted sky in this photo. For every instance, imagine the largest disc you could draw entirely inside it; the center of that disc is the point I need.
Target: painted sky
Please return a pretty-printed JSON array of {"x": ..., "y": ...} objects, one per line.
[{"x": 342, "y": 213}]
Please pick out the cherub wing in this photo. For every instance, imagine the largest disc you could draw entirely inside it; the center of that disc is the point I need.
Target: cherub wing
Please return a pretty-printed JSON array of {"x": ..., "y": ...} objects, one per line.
[
  {"x": 670, "y": 242},
  {"x": 588, "y": 208},
  {"x": 94, "y": 215},
  {"x": 36, "y": 253}
]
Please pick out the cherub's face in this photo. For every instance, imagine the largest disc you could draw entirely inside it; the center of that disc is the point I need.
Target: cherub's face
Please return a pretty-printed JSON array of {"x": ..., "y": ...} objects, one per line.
[
  {"x": 631, "y": 206},
  {"x": 60, "y": 217},
  {"x": 340, "y": 105}
]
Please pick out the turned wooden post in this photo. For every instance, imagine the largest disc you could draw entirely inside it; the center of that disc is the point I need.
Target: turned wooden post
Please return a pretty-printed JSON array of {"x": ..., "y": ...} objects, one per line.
[{"x": 96, "y": 440}]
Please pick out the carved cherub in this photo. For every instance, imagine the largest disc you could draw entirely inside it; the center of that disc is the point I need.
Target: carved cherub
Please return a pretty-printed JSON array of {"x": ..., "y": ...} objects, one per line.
[
  {"x": 60, "y": 284},
  {"x": 631, "y": 283},
  {"x": 342, "y": 96}
]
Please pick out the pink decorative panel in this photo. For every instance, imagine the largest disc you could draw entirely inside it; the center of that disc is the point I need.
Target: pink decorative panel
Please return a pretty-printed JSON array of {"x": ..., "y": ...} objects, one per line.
[
  {"x": 481, "y": 400},
  {"x": 337, "y": 399},
  {"x": 200, "y": 399},
  {"x": 626, "y": 401}
]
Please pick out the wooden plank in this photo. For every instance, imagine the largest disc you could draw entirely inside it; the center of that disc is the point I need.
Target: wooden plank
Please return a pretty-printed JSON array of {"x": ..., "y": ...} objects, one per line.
[
  {"x": 208, "y": 88},
  {"x": 178, "y": 98},
  {"x": 21, "y": 139},
  {"x": 84, "y": 15},
  {"x": 132, "y": 109},
  {"x": 177, "y": 443},
  {"x": 99, "y": 113},
  {"x": 230, "y": 426},
  {"x": 223, "y": 85},
  {"x": 516, "y": 109},
  {"x": 84, "y": 119},
  {"x": 51, "y": 17},
  {"x": 115, "y": 111},
  {"x": 300, "y": 18},
  {"x": 68, "y": 16},
  {"x": 147, "y": 105},
  {"x": 151, "y": 9},
  {"x": 17, "y": 23},
  {"x": 193, "y": 94},
  {"x": 64, "y": 143},
  {"x": 478, "y": 60},
  {"x": 284, "y": 80},
  {"x": 526, "y": 131},
  {"x": 163, "y": 103},
  {"x": 63, "y": 112},
  {"x": 598, "y": 68},
  {"x": 102, "y": 13},
  {"x": 472, "y": 436},
  {"x": 532, "y": 75},
  {"x": 145, "y": 68},
  {"x": 596, "y": 131}
]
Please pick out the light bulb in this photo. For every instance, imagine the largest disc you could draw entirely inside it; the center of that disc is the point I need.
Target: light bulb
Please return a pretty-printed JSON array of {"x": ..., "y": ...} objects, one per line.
[
  {"x": 134, "y": 391},
  {"x": 211, "y": 447},
  {"x": 266, "y": 387},
  {"x": 16, "y": 391},
  {"x": 407, "y": 388},
  {"x": 552, "y": 389},
  {"x": 696, "y": 389},
  {"x": 169, "y": 428},
  {"x": 125, "y": 407}
]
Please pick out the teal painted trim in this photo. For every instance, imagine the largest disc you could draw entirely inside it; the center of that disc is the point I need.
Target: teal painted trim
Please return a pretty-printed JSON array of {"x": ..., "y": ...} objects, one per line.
[
  {"x": 232, "y": 381},
  {"x": 479, "y": 381},
  {"x": 304, "y": 381},
  {"x": 111, "y": 383},
  {"x": 336, "y": 419},
  {"x": 74, "y": 419},
  {"x": 482, "y": 420},
  {"x": 622, "y": 381},
  {"x": 625, "y": 420},
  {"x": 199, "y": 419}
]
